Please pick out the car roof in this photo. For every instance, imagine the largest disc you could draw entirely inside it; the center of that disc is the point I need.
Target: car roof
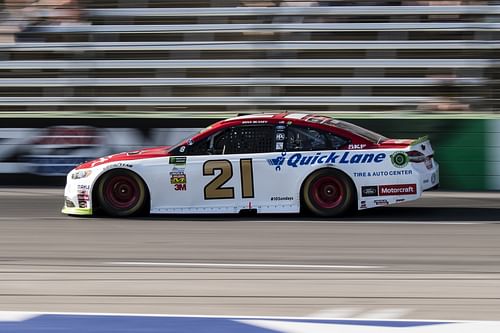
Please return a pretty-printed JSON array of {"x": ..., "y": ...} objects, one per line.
[{"x": 274, "y": 116}]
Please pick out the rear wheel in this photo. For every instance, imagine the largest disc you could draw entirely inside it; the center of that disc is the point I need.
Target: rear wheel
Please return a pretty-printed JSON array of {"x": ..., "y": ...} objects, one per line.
[
  {"x": 328, "y": 192},
  {"x": 121, "y": 193}
]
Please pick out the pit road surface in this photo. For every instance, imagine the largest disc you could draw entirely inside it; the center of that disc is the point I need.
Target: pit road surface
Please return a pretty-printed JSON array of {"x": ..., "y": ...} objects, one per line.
[{"x": 437, "y": 258}]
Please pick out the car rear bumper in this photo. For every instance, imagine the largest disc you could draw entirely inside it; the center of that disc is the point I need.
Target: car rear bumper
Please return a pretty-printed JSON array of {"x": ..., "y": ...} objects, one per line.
[{"x": 430, "y": 177}]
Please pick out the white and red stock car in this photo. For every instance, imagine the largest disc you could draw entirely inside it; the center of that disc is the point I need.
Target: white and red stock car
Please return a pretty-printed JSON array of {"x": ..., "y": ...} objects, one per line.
[{"x": 267, "y": 163}]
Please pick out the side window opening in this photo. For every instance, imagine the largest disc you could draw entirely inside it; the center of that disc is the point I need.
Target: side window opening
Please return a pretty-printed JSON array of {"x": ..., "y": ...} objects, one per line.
[
  {"x": 199, "y": 148},
  {"x": 307, "y": 138},
  {"x": 244, "y": 139}
]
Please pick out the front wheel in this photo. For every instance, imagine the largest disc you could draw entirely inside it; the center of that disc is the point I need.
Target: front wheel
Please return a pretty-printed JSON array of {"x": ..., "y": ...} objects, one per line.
[
  {"x": 328, "y": 192},
  {"x": 121, "y": 193}
]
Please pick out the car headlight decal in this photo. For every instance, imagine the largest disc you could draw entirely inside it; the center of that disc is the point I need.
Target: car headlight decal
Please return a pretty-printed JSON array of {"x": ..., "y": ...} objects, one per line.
[{"x": 81, "y": 174}]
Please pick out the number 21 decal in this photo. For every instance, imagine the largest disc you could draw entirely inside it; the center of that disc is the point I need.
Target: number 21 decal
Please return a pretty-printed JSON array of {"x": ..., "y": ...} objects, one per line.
[{"x": 215, "y": 189}]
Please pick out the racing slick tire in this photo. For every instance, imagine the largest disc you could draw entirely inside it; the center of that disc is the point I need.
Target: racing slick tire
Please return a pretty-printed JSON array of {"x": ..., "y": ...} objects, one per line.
[
  {"x": 328, "y": 193},
  {"x": 121, "y": 193}
]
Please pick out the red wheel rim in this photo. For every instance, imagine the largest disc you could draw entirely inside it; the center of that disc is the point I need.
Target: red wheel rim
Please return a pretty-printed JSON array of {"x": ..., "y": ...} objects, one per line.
[
  {"x": 328, "y": 192},
  {"x": 122, "y": 192}
]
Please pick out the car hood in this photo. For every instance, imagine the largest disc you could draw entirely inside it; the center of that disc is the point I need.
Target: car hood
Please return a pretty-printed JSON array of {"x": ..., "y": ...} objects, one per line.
[{"x": 127, "y": 156}]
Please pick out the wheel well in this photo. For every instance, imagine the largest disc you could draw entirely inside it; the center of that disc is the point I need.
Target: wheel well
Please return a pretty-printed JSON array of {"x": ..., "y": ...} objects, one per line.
[
  {"x": 95, "y": 204},
  {"x": 326, "y": 168}
]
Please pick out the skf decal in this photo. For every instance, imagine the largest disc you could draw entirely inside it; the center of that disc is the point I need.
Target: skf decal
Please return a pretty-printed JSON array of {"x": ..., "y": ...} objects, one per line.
[
  {"x": 298, "y": 159},
  {"x": 356, "y": 146}
]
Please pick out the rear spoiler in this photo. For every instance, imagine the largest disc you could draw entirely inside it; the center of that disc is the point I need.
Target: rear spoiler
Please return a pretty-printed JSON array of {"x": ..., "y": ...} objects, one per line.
[{"x": 419, "y": 140}]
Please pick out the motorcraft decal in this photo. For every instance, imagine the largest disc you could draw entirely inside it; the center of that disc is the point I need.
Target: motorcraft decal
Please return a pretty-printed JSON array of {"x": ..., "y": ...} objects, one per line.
[
  {"x": 298, "y": 159},
  {"x": 399, "y": 189},
  {"x": 384, "y": 190}
]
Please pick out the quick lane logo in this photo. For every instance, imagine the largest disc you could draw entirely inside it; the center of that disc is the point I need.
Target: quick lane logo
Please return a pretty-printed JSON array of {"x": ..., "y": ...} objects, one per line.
[
  {"x": 299, "y": 159},
  {"x": 277, "y": 162}
]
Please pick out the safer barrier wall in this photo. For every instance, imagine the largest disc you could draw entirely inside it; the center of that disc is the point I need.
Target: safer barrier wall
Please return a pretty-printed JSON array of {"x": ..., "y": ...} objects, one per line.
[{"x": 40, "y": 151}]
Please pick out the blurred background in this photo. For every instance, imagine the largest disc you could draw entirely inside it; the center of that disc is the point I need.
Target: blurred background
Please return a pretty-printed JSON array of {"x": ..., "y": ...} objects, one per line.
[{"x": 84, "y": 78}]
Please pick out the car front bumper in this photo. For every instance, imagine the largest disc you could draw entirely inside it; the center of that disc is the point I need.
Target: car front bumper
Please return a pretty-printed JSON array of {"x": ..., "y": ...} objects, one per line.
[{"x": 77, "y": 197}]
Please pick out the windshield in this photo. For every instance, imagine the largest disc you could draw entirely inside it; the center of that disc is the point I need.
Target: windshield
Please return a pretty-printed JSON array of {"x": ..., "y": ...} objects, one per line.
[{"x": 188, "y": 138}]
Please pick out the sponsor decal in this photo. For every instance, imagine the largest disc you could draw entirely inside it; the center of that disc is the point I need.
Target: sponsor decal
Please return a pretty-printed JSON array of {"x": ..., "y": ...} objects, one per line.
[
  {"x": 428, "y": 163},
  {"x": 182, "y": 149},
  {"x": 298, "y": 159},
  {"x": 277, "y": 162},
  {"x": 177, "y": 160},
  {"x": 381, "y": 202},
  {"x": 383, "y": 190},
  {"x": 180, "y": 187},
  {"x": 433, "y": 178},
  {"x": 400, "y": 200},
  {"x": 369, "y": 191},
  {"x": 356, "y": 146},
  {"x": 280, "y": 127},
  {"x": 280, "y": 136},
  {"x": 281, "y": 198},
  {"x": 363, "y": 204},
  {"x": 178, "y": 178},
  {"x": 399, "y": 159},
  {"x": 397, "y": 189},
  {"x": 383, "y": 173},
  {"x": 82, "y": 195},
  {"x": 118, "y": 165},
  {"x": 254, "y": 122},
  {"x": 279, "y": 145}
]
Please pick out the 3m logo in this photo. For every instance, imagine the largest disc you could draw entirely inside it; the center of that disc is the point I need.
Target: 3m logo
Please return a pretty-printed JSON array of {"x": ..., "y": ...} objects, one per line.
[{"x": 400, "y": 189}]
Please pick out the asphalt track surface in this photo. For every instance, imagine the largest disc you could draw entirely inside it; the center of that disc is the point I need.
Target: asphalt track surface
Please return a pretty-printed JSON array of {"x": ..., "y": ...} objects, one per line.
[{"x": 437, "y": 258}]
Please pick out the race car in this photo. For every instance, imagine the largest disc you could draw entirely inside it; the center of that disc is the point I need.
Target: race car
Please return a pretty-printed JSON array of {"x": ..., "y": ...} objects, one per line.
[{"x": 260, "y": 163}]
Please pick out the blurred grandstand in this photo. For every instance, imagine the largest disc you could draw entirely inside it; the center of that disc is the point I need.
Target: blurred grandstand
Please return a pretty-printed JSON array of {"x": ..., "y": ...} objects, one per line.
[{"x": 193, "y": 56}]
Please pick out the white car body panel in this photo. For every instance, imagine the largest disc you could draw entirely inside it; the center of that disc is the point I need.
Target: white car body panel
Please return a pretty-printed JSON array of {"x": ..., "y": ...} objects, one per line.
[{"x": 277, "y": 180}]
